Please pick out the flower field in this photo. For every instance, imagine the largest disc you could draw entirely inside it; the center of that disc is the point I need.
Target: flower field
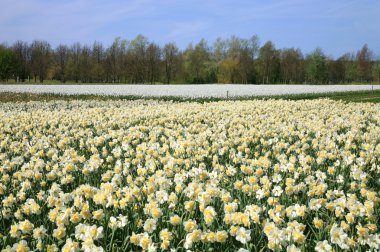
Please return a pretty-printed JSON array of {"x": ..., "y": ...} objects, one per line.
[{"x": 269, "y": 175}]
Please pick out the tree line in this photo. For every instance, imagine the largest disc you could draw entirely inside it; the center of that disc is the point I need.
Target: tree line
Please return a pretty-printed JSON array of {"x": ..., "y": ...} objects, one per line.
[{"x": 232, "y": 60}]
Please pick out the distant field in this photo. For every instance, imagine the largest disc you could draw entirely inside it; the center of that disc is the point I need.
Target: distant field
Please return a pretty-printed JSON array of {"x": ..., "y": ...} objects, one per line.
[
  {"x": 191, "y": 91},
  {"x": 349, "y": 96}
]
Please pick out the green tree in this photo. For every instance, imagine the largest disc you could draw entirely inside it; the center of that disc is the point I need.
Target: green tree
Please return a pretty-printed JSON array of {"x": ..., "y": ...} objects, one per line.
[
  {"x": 196, "y": 59},
  {"x": 211, "y": 72},
  {"x": 316, "y": 69},
  {"x": 85, "y": 64},
  {"x": 350, "y": 67},
  {"x": 229, "y": 70},
  {"x": 7, "y": 63},
  {"x": 376, "y": 71},
  {"x": 235, "y": 58},
  {"x": 336, "y": 70}
]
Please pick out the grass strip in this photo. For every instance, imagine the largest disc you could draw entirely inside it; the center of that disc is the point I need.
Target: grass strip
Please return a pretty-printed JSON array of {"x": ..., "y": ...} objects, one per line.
[{"x": 350, "y": 96}]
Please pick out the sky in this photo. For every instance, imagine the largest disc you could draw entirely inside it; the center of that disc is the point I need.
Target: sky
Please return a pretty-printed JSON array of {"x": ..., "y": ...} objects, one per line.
[{"x": 337, "y": 26}]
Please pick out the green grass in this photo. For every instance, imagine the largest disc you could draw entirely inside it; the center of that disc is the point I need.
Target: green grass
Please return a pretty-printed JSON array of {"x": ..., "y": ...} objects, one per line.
[{"x": 352, "y": 96}]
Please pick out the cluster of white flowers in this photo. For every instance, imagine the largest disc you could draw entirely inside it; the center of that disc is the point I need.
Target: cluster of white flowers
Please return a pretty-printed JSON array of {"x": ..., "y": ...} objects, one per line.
[{"x": 162, "y": 176}]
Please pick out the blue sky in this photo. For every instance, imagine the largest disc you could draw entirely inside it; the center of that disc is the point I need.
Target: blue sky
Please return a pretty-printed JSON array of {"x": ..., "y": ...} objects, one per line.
[{"x": 337, "y": 26}]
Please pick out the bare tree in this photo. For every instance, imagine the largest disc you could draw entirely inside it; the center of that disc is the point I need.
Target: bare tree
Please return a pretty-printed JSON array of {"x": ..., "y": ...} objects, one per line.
[
  {"x": 115, "y": 58},
  {"x": 364, "y": 62},
  {"x": 62, "y": 58},
  {"x": 74, "y": 68},
  {"x": 171, "y": 60},
  {"x": 40, "y": 59},
  {"x": 220, "y": 50},
  {"x": 98, "y": 62},
  {"x": 248, "y": 52},
  {"x": 153, "y": 52},
  {"x": 269, "y": 63},
  {"x": 291, "y": 66},
  {"x": 22, "y": 54},
  {"x": 85, "y": 64},
  {"x": 137, "y": 59}
]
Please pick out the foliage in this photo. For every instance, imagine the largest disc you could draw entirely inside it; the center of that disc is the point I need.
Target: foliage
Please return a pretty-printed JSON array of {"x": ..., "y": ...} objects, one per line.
[
  {"x": 231, "y": 60},
  {"x": 229, "y": 70},
  {"x": 7, "y": 63},
  {"x": 316, "y": 68},
  {"x": 376, "y": 72}
]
